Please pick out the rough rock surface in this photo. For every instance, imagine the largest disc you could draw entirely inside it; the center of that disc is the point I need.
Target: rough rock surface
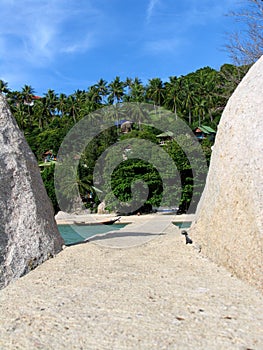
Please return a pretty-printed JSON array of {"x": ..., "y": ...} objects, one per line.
[
  {"x": 229, "y": 220},
  {"x": 28, "y": 232},
  {"x": 101, "y": 208},
  {"x": 156, "y": 296}
]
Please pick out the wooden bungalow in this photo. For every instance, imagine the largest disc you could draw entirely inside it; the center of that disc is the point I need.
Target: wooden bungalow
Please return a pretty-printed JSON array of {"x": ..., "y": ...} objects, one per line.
[
  {"x": 165, "y": 137},
  {"x": 204, "y": 131}
]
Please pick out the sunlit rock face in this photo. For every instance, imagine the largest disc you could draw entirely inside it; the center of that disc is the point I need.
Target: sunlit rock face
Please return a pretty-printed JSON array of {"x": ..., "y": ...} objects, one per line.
[
  {"x": 229, "y": 220},
  {"x": 28, "y": 232}
]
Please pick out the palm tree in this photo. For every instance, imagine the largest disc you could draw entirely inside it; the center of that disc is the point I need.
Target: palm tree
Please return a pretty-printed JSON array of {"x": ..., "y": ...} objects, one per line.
[
  {"x": 3, "y": 87},
  {"x": 96, "y": 93},
  {"x": 102, "y": 87},
  {"x": 51, "y": 104},
  {"x": 206, "y": 80},
  {"x": 200, "y": 110},
  {"x": 38, "y": 113},
  {"x": 20, "y": 115},
  {"x": 172, "y": 99},
  {"x": 27, "y": 94},
  {"x": 62, "y": 104},
  {"x": 72, "y": 107},
  {"x": 188, "y": 97},
  {"x": 155, "y": 91},
  {"x": 80, "y": 101},
  {"x": 71, "y": 185},
  {"x": 116, "y": 91},
  {"x": 137, "y": 92},
  {"x": 128, "y": 84},
  {"x": 27, "y": 98},
  {"x": 137, "y": 112},
  {"x": 94, "y": 98}
]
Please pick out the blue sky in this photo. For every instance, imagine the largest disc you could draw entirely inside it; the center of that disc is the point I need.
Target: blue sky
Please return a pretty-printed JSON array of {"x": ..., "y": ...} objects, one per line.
[{"x": 67, "y": 45}]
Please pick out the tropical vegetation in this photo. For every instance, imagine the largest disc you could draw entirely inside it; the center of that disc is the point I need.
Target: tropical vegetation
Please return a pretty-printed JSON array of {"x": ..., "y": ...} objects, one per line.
[{"x": 197, "y": 98}]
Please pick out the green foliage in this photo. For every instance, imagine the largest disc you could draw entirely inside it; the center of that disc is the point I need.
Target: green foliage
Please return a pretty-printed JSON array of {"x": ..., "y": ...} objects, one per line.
[
  {"x": 45, "y": 140},
  {"x": 197, "y": 98},
  {"x": 128, "y": 173},
  {"x": 207, "y": 149},
  {"x": 48, "y": 179},
  {"x": 192, "y": 168}
]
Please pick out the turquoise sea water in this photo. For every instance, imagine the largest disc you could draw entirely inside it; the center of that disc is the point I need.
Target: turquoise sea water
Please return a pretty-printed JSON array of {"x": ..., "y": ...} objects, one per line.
[
  {"x": 73, "y": 234},
  {"x": 183, "y": 224}
]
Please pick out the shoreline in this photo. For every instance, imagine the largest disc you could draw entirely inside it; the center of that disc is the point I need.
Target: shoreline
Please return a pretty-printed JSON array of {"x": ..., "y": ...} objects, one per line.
[{"x": 69, "y": 219}]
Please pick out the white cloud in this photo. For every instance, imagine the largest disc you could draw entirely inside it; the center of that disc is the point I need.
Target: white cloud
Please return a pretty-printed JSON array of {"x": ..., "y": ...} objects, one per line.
[
  {"x": 38, "y": 38},
  {"x": 35, "y": 36},
  {"x": 150, "y": 8},
  {"x": 81, "y": 45},
  {"x": 38, "y": 31}
]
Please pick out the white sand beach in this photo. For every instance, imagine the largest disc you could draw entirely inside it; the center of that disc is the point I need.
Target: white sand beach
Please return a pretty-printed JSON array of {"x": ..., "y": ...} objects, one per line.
[{"x": 160, "y": 294}]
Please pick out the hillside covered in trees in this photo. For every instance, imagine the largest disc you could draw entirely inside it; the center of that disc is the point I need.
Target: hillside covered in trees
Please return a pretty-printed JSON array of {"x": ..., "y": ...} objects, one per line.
[{"x": 197, "y": 98}]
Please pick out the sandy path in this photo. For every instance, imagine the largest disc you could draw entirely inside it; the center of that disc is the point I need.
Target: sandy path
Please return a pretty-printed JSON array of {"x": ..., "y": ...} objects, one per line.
[{"x": 159, "y": 295}]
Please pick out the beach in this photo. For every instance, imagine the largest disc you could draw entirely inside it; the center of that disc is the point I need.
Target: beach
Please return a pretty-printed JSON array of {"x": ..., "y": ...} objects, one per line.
[{"x": 157, "y": 294}]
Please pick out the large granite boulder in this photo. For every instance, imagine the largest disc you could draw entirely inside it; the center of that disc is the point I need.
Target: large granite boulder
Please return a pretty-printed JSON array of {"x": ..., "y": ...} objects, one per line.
[
  {"x": 28, "y": 232},
  {"x": 229, "y": 218}
]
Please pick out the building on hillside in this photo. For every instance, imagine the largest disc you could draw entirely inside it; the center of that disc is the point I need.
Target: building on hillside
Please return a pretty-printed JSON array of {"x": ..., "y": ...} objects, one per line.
[
  {"x": 126, "y": 127},
  {"x": 165, "y": 137},
  {"x": 31, "y": 101},
  {"x": 48, "y": 156},
  {"x": 203, "y": 132}
]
